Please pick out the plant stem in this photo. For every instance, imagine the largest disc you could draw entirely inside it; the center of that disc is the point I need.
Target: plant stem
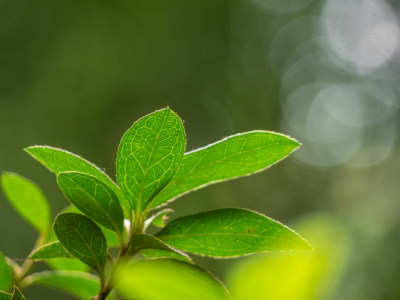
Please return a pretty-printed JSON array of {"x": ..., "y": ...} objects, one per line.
[{"x": 136, "y": 227}]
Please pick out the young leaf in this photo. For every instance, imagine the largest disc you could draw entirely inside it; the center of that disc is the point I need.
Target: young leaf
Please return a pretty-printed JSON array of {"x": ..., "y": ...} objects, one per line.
[
  {"x": 148, "y": 155},
  {"x": 59, "y": 160},
  {"x": 159, "y": 219},
  {"x": 6, "y": 274},
  {"x": 94, "y": 198},
  {"x": 17, "y": 295},
  {"x": 235, "y": 156},
  {"x": 83, "y": 285},
  {"x": 230, "y": 232},
  {"x": 145, "y": 241},
  {"x": 51, "y": 250},
  {"x": 168, "y": 279},
  {"x": 81, "y": 237},
  {"x": 28, "y": 200},
  {"x": 5, "y": 296}
]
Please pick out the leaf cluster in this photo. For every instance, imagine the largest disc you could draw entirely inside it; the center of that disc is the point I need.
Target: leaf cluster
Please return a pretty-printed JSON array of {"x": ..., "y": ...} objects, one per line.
[{"x": 106, "y": 224}]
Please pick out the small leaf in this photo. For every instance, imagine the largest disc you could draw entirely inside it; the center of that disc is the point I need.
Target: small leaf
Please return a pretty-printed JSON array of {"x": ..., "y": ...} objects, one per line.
[
  {"x": 17, "y": 295},
  {"x": 59, "y": 160},
  {"x": 167, "y": 279},
  {"x": 5, "y": 296},
  {"x": 51, "y": 250},
  {"x": 238, "y": 155},
  {"x": 230, "y": 232},
  {"x": 94, "y": 198},
  {"x": 28, "y": 200},
  {"x": 159, "y": 219},
  {"x": 83, "y": 285},
  {"x": 148, "y": 155},
  {"x": 145, "y": 241},
  {"x": 6, "y": 274},
  {"x": 82, "y": 238}
]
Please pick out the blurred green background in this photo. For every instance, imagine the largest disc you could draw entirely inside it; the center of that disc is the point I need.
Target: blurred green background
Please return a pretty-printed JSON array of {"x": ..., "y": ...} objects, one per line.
[{"x": 77, "y": 74}]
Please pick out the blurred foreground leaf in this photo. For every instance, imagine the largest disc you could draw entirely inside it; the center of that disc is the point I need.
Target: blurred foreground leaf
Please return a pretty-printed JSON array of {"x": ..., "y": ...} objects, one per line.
[
  {"x": 295, "y": 275},
  {"x": 230, "y": 232},
  {"x": 167, "y": 279}
]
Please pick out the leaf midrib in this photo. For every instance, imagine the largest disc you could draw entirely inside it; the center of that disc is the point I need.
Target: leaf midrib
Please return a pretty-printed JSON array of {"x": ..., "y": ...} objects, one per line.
[
  {"x": 139, "y": 202},
  {"x": 88, "y": 247}
]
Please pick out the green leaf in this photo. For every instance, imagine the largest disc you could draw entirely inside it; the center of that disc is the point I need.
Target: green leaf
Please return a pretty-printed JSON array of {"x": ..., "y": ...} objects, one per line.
[
  {"x": 238, "y": 155},
  {"x": 111, "y": 237},
  {"x": 145, "y": 241},
  {"x": 83, "y": 285},
  {"x": 159, "y": 219},
  {"x": 6, "y": 274},
  {"x": 27, "y": 199},
  {"x": 82, "y": 238},
  {"x": 51, "y": 250},
  {"x": 5, "y": 296},
  {"x": 94, "y": 198},
  {"x": 156, "y": 253},
  {"x": 69, "y": 264},
  {"x": 167, "y": 279},
  {"x": 148, "y": 155},
  {"x": 59, "y": 160},
  {"x": 17, "y": 295},
  {"x": 230, "y": 232}
]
